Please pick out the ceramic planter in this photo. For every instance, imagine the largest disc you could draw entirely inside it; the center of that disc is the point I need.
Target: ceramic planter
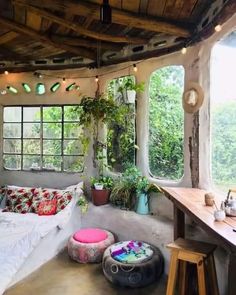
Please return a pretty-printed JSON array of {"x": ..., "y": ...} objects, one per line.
[
  {"x": 142, "y": 204},
  {"x": 129, "y": 96},
  {"x": 98, "y": 186},
  {"x": 100, "y": 197}
]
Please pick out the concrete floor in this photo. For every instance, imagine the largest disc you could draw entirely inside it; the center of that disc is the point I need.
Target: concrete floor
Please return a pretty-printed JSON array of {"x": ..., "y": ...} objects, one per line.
[{"x": 62, "y": 276}]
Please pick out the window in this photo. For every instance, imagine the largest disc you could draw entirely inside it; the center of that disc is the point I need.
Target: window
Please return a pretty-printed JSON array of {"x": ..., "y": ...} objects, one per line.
[
  {"x": 42, "y": 137},
  {"x": 166, "y": 123},
  {"x": 223, "y": 113},
  {"x": 121, "y": 134}
]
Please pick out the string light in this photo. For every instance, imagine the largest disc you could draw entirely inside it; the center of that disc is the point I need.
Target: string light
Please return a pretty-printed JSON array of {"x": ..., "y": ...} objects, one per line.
[
  {"x": 63, "y": 80},
  {"x": 135, "y": 68},
  {"x": 96, "y": 79},
  {"x": 6, "y": 72},
  {"x": 218, "y": 28},
  {"x": 184, "y": 50},
  {"x": 3, "y": 92}
]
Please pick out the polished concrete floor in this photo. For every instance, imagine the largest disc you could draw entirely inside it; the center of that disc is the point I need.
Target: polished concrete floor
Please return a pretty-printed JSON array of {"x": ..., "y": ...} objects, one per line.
[{"x": 62, "y": 276}]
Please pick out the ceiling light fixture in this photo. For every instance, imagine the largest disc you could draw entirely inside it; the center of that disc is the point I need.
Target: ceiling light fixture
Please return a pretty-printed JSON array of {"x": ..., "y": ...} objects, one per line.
[
  {"x": 105, "y": 12},
  {"x": 218, "y": 28},
  {"x": 6, "y": 72},
  {"x": 135, "y": 68},
  {"x": 184, "y": 50}
]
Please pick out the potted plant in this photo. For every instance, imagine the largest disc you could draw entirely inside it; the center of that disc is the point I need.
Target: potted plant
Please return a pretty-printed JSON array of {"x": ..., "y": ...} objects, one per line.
[
  {"x": 143, "y": 190},
  {"x": 130, "y": 88},
  {"x": 124, "y": 190},
  {"x": 101, "y": 189}
]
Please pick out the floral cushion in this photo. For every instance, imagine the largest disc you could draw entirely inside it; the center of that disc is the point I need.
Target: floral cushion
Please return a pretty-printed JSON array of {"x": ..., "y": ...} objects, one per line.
[
  {"x": 63, "y": 200},
  {"x": 48, "y": 207}
]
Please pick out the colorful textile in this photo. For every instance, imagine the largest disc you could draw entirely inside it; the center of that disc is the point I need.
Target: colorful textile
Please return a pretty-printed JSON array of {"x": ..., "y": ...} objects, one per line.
[
  {"x": 48, "y": 207},
  {"x": 133, "y": 274},
  {"x": 89, "y": 252},
  {"x": 90, "y": 235},
  {"x": 131, "y": 252}
]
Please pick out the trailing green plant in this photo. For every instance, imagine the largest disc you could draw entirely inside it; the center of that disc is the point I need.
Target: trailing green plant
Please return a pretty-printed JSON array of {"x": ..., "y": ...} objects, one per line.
[
  {"x": 107, "y": 181},
  {"x": 83, "y": 204},
  {"x": 130, "y": 84}
]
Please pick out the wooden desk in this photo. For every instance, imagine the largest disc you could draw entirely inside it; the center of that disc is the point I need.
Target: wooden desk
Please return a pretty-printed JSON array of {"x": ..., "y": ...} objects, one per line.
[{"x": 191, "y": 201}]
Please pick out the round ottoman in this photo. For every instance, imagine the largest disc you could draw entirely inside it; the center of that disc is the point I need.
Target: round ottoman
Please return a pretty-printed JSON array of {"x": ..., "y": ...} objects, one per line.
[
  {"x": 88, "y": 245},
  {"x": 132, "y": 264}
]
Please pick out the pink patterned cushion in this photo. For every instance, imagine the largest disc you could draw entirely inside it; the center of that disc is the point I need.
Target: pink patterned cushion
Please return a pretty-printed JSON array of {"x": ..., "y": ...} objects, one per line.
[{"x": 90, "y": 235}]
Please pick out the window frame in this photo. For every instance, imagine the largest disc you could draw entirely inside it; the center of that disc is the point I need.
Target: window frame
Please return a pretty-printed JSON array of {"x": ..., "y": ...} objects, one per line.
[{"x": 41, "y": 138}]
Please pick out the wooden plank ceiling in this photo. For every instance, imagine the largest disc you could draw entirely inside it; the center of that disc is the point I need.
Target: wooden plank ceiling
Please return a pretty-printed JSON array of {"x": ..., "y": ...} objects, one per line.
[{"x": 47, "y": 34}]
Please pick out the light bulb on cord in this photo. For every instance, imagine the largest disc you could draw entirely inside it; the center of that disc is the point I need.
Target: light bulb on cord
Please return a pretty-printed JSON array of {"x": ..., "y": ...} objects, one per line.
[
  {"x": 135, "y": 68},
  {"x": 6, "y": 72},
  {"x": 96, "y": 79},
  {"x": 64, "y": 80},
  {"x": 218, "y": 28},
  {"x": 184, "y": 50}
]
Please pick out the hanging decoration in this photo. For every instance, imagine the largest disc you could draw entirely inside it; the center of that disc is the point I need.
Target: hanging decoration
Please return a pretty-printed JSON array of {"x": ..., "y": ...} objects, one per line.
[
  {"x": 71, "y": 86},
  {"x": 26, "y": 87},
  {"x": 55, "y": 87},
  {"x": 105, "y": 13},
  {"x": 40, "y": 89},
  {"x": 12, "y": 89}
]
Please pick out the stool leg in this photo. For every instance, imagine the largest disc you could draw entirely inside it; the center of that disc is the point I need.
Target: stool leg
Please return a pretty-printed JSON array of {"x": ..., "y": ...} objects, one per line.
[
  {"x": 182, "y": 276},
  {"x": 172, "y": 273},
  {"x": 201, "y": 278},
  {"x": 212, "y": 275}
]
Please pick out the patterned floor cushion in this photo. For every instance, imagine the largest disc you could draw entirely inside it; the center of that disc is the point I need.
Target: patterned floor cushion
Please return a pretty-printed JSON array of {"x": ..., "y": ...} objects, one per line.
[
  {"x": 133, "y": 273},
  {"x": 88, "y": 245}
]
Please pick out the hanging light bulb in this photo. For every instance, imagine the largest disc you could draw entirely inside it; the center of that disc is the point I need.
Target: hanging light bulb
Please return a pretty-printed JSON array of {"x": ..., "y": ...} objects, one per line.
[
  {"x": 184, "y": 50},
  {"x": 63, "y": 80},
  {"x": 38, "y": 75},
  {"x": 3, "y": 92},
  {"x": 96, "y": 79},
  {"x": 6, "y": 72},
  {"x": 135, "y": 68},
  {"x": 105, "y": 12},
  {"x": 218, "y": 28}
]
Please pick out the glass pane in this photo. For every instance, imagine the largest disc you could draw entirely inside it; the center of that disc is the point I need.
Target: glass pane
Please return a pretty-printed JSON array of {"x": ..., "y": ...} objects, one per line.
[
  {"x": 73, "y": 164},
  {"x": 12, "y": 114},
  {"x": 12, "y": 130},
  {"x": 52, "y": 130},
  {"x": 12, "y": 162},
  {"x": 12, "y": 146},
  {"x": 52, "y": 114},
  {"x": 72, "y": 147},
  {"x": 72, "y": 130},
  {"x": 166, "y": 123},
  {"x": 52, "y": 147},
  {"x": 52, "y": 163},
  {"x": 31, "y": 162},
  {"x": 31, "y": 146},
  {"x": 31, "y": 114},
  {"x": 72, "y": 113},
  {"x": 31, "y": 130},
  {"x": 223, "y": 110}
]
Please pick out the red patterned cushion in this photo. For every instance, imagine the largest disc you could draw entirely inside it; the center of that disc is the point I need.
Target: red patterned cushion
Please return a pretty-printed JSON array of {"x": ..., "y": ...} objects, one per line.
[
  {"x": 22, "y": 208},
  {"x": 48, "y": 207},
  {"x": 63, "y": 200}
]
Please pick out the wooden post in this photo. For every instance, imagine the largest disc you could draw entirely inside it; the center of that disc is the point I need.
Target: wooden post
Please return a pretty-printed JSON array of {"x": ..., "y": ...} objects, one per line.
[{"x": 179, "y": 223}]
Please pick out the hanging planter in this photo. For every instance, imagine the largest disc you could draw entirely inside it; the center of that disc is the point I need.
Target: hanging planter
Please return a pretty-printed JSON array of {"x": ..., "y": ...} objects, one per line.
[
  {"x": 131, "y": 95},
  {"x": 129, "y": 89}
]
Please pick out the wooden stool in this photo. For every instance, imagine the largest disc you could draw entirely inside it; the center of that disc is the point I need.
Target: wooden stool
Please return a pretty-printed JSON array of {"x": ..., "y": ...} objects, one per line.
[{"x": 199, "y": 253}]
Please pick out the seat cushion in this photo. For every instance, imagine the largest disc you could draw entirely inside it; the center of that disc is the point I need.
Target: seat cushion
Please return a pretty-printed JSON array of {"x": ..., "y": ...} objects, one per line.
[{"x": 90, "y": 235}]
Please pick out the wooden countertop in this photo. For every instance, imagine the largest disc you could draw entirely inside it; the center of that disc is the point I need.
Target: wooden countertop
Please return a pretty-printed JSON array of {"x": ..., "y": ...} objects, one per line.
[{"x": 192, "y": 202}]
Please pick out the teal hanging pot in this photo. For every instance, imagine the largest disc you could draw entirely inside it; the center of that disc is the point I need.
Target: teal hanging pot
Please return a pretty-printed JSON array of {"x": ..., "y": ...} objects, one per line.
[{"x": 142, "y": 204}]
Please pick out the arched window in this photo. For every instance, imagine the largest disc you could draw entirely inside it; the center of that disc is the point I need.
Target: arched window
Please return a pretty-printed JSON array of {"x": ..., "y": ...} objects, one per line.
[
  {"x": 166, "y": 123},
  {"x": 223, "y": 113}
]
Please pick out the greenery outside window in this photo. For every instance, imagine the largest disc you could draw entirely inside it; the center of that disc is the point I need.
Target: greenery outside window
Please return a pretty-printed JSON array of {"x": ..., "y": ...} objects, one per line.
[
  {"x": 166, "y": 123},
  {"x": 42, "y": 138}
]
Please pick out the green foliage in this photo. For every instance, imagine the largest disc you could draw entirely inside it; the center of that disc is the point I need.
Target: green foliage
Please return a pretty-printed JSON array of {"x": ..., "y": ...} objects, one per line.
[
  {"x": 83, "y": 204},
  {"x": 224, "y": 145},
  {"x": 166, "y": 123},
  {"x": 107, "y": 181}
]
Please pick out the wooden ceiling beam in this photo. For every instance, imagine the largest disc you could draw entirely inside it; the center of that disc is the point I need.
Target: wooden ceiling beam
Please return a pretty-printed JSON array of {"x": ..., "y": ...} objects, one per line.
[
  {"x": 79, "y": 28},
  {"x": 21, "y": 29},
  {"x": 118, "y": 16},
  {"x": 7, "y": 37},
  {"x": 77, "y": 41}
]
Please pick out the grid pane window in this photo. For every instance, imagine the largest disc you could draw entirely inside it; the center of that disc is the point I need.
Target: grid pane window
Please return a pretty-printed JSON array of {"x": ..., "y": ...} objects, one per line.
[{"x": 36, "y": 138}]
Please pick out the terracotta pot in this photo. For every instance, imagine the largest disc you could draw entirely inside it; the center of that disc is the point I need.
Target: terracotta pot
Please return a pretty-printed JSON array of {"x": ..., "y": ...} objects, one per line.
[{"x": 100, "y": 197}]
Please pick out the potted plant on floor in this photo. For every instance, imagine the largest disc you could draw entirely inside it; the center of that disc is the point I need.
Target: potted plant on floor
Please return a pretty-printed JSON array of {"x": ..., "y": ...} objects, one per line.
[{"x": 100, "y": 189}]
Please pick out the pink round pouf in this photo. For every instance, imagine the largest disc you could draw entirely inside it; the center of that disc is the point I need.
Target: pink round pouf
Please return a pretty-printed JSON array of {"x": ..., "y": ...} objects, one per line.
[{"x": 88, "y": 245}]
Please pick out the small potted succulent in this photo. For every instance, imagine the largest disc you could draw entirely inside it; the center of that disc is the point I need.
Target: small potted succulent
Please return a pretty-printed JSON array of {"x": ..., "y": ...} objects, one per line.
[{"x": 101, "y": 189}]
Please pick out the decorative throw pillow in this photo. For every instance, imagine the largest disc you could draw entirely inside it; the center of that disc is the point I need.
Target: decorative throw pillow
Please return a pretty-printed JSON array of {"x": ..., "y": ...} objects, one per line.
[
  {"x": 23, "y": 208},
  {"x": 48, "y": 207},
  {"x": 63, "y": 200}
]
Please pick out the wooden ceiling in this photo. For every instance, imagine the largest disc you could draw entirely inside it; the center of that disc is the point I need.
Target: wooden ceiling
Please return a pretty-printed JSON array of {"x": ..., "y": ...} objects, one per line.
[{"x": 55, "y": 34}]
